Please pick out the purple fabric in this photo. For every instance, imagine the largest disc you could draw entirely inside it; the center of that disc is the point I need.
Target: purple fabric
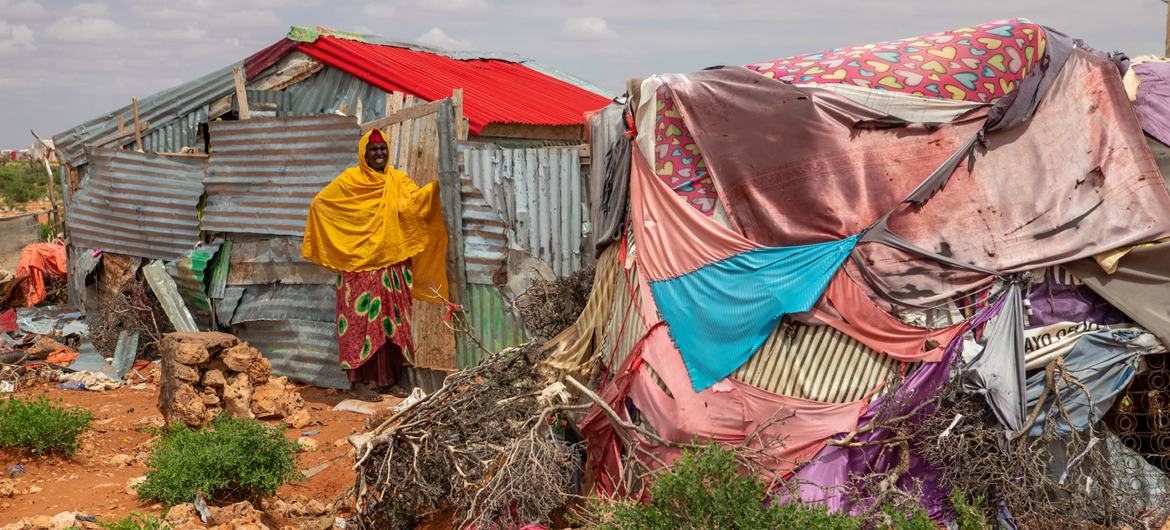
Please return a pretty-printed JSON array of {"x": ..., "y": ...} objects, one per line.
[
  {"x": 823, "y": 480},
  {"x": 1053, "y": 302},
  {"x": 1153, "y": 99}
]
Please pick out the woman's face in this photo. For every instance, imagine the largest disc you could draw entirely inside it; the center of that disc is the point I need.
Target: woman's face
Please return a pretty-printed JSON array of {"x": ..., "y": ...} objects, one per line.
[{"x": 376, "y": 156}]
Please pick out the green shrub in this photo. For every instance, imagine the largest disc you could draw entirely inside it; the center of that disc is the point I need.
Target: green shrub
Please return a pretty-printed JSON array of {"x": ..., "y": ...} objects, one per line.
[
  {"x": 969, "y": 515},
  {"x": 21, "y": 182},
  {"x": 705, "y": 490},
  {"x": 235, "y": 460},
  {"x": 40, "y": 427},
  {"x": 135, "y": 521}
]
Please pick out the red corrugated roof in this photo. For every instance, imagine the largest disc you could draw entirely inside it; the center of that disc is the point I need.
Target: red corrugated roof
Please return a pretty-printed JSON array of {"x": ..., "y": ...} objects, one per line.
[{"x": 494, "y": 91}]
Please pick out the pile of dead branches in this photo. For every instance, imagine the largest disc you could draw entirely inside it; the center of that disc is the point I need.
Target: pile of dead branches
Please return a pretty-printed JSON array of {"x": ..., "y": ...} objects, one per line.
[
  {"x": 1054, "y": 480},
  {"x": 484, "y": 446},
  {"x": 548, "y": 307},
  {"x": 131, "y": 308}
]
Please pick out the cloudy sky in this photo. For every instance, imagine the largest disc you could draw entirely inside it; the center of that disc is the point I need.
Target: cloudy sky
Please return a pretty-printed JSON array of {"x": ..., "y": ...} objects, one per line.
[{"x": 62, "y": 63}]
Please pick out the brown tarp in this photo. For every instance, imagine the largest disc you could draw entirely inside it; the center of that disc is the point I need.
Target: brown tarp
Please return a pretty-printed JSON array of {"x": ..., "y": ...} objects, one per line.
[
  {"x": 1076, "y": 180},
  {"x": 1140, "y": 288}
]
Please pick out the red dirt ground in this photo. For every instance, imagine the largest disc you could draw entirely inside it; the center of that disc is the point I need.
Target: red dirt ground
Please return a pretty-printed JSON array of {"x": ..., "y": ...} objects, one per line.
[{"x": 90, "y": 483}]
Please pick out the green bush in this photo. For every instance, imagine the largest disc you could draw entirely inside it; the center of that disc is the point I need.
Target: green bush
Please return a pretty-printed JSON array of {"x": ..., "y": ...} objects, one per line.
[
  {"x": 21, "y": 182},
  {"x": 40, "y": 427},
  {"x": 969, "y": 515},
  {"x": 135, "y": 521},
  {"x": 235, "y": 460},
  {"x": 705, "y": 490}
]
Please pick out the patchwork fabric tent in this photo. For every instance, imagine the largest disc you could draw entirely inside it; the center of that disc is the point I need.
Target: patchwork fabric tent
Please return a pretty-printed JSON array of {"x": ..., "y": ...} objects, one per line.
[{"x": 796, "y": 237}]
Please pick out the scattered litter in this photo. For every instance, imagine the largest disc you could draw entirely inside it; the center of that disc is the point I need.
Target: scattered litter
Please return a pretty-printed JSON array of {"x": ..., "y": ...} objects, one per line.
[
  {"x": 93, "y": 381},
  {"x": 46, "y": 346},
  {"x": 51, "y": 320},
  {"x": 8, "y": 321},
  {"x": 125, "y": 353},
  {"x": 62, "y": 357},
  {"x": 415, "y": 396},
  {"x": 358, "y": 406},
  {"x": 6, "y": 387},
  {"x": 200, "y": 505},
  {"x": 315, "y": 470},
  {"x": 15, "y": 471},
  {"x": 311, "y": 433},
  {"x": 339, "y": 522}
]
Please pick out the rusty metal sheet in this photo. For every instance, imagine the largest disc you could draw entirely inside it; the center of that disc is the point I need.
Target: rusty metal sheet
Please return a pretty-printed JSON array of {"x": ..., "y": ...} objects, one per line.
[
  {"x": 287, "y": 302},
  {"x": 139, "y": 204},
  {"x": 302, "y": 350},
  {"x": 264, "y": 172},
  {"x": 265, "y": 261}
]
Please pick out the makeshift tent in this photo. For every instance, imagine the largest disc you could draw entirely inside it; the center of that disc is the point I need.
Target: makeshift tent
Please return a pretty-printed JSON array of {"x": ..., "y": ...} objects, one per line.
[{"x": 919, "y": 198}]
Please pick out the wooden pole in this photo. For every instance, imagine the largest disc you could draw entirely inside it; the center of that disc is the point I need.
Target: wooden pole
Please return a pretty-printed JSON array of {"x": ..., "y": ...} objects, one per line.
[
  {"x": 241, "y": 94},
  {"x": 51, "y": 188},
  {"x": 121, "y": 128},
  {"x": 1167, "y": 51},
  {"x": 457, "y": 100},
  {"x": 393, "y": 105},
  {"x": 137, "y": 127}
]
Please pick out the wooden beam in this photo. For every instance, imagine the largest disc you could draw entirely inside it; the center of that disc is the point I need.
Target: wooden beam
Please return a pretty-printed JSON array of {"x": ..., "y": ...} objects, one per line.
[
  {"x": 533, "y": 132},
  {"x": 121, "y": 125},
  {"x": 460, "y": 125},
  {"x": 358, "y": 111},
  {"x": 406, "y": 139},
  {"x": 184, "y": 155},
  {"x": 241, "y": 94},
  {"x": 408, "y": 113},
  {"x": 120, "y": 135},
  {"x": 393, "y": 104},
  {"x": 137, "y": 126}
]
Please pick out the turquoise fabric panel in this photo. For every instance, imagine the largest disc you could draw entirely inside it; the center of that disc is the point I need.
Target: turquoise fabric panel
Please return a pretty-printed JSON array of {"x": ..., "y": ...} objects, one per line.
[{"x": 720, "y": 314}]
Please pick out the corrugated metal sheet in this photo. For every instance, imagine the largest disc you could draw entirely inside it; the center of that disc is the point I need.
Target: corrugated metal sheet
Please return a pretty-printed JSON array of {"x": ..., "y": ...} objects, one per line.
[
  {"x": 331, "y": 90},
  {"x": 539, "y": 192},
  {"x": 167, "y": 292},
  {"x": 264, "y": 172},
  {"x": 495, "y": 91},
  {"x": 172, "y": 108},
  {"x": 302, "y": 350},
  {"x": 287, "y": 302},
  {"x": 267, "y": 103},
  {"x": 485, "y": 239},
  {"x": 180, "y": 133},
  {"x": 493, "y": 323},
  {"x": 265, "y": 261},
  {"x": 139, "y": 204},
  {"x": 189, "y": 273}
]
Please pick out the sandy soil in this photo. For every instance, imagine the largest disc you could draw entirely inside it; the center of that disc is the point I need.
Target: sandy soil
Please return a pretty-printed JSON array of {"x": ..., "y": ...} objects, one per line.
[{"x": 92, "y": 482}]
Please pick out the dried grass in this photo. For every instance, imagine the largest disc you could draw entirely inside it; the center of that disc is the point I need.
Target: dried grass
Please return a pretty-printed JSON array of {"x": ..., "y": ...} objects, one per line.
[{"x": 548, "y": 307}]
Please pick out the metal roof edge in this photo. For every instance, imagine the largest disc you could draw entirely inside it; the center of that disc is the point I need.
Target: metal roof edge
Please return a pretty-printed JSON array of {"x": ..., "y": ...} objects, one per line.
[{"x": 310, "y": 34}]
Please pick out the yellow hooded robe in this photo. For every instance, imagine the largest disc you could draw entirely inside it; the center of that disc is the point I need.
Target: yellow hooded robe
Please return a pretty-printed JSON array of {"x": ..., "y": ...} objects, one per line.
[{"x": 367, "y": 220}]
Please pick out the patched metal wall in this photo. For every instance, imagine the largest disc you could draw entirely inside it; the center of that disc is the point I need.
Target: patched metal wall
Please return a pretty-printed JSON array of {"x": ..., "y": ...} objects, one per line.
[
  {"x": 139, "y": 204},
  {"x": 265, "y": 172},
  {"x": 492, "y": 320}
]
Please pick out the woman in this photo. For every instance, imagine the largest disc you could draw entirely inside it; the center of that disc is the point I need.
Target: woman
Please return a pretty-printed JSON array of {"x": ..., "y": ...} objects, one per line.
[{"x": 385, "y": 237}]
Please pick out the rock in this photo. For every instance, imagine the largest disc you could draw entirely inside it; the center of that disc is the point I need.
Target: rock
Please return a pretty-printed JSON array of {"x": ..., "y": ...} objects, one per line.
[
  {"x": 276, "y": 399},
  {"x": 209, "y": 397},
  {"x": 214, "y": 378},
  {"x": 237, "y": 396},
  {"x": 31, "y": 490},
  {"x": 299, "y": 419},
  {"x": 238, "y": 358},
  {"x": 313, "y": 507},
  {"x": 7, "y": 488},
  {"x": 181, "y": 514},
  {"x": 132, "y": 489},
  {"x": 121, "y": 460},
  {"x": 40, "y": 522},
  {"x": 186, "y": 373},
  {"x": 238, "y": 515},
  {"x": 64, "y": 520},
  {"x": 153, "y": 422},
  {"x": 277, "y": 508},
  {"x": 45, "y": 346},
  {"x": 187, "y": 407},
  {"x": 213, "y": 342},
  {"x": 259, "y": 370},
  {"x": 191, "y": 353},
  {"x": 307, "y": 444}
]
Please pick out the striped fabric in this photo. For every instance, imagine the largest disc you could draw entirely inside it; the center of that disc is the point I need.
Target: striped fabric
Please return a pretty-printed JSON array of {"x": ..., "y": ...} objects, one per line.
[{"x": 799, "y": 360}]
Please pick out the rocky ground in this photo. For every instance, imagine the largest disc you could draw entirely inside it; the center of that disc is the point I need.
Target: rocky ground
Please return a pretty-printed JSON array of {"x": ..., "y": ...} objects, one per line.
[{"x": 96, "y": 481}]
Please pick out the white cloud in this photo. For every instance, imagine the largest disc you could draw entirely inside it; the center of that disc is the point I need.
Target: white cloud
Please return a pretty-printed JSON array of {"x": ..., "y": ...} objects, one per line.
[
  {"x": 440, "y": 39},
  {"x": 92, "y": 10},
  {"x": 15, "y": 38},
  {"x": 21, "y": 9},
  {"x": 588, "y": 28},
  {"x": 379, "y": 10},
  {"x": 85, "y": 30},
  {"x": 455, "y": 6},
  {"x": 251, "y": 19}
]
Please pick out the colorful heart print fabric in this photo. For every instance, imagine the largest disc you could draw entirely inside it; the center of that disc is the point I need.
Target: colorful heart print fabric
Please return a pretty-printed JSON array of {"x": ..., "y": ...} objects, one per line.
[{"x": 980, "y": 63}]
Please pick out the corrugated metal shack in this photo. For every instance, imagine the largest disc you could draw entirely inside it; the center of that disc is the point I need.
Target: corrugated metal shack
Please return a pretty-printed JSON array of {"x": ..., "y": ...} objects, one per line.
[{"x": 220, "y": 181}]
